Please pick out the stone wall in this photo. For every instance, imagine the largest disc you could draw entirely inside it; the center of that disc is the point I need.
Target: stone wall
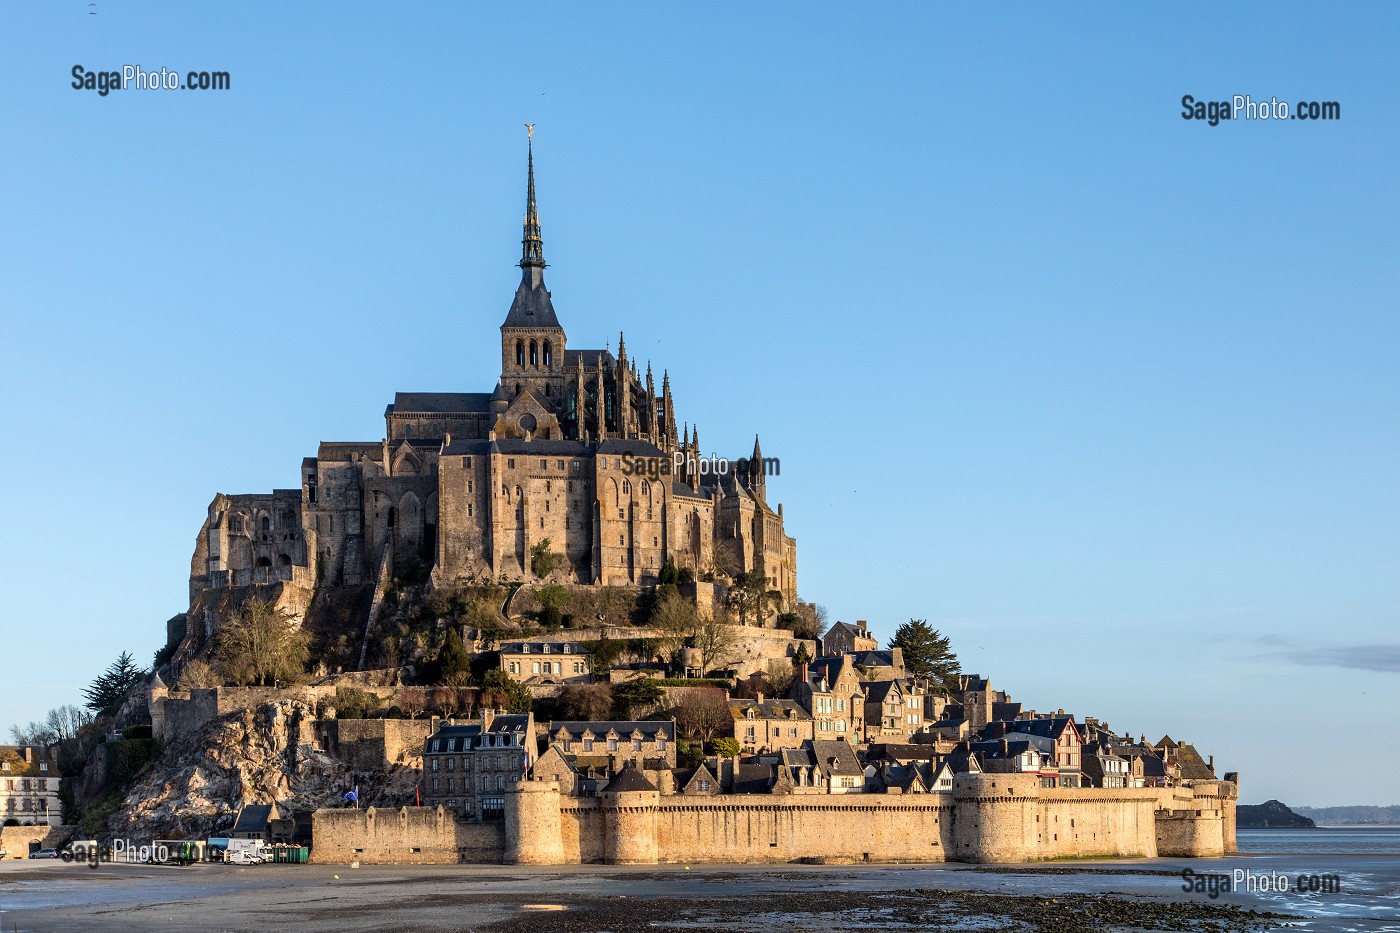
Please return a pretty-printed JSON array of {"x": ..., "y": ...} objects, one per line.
[
  {"x": 408, "y": 836},
  {"x": 374, "y": 744},
  {"x": 986, "y": 818}
]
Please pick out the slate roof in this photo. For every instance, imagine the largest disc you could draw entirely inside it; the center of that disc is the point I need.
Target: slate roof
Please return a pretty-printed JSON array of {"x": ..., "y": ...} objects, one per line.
[
  {"x": 630, "y": 448},
  {"x": 1014, "y": 744},
  {"x": 753, "y": 778},
  {"x": 542, "y": 648},
  {"x": 253, "y": 818},
  {"x": 897, "y": 751},
  {"x": 1193, "y": 766},
  {"x": 665, "y": 728},
  {"x": 682, "y": 491},
  {"x": 628, "y": 779},
  {"x": 440, "y": 403},
  {"x": 512, "y": 723},
  {"x": 879, "y": 658},
  {"x": 1053, "y": 727},
  {"x": 531, "y": 306},
  {"x": 457, "y": 738},
  {"x": 768, "y": 708},
  {"x": 590, "y": 358},
  {"x": 877, "y": 690},
  {"x": 835, "y": 757}
]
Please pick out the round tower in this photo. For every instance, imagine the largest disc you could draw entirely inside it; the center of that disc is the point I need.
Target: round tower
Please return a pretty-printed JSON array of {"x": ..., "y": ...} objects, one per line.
[
  {"x": 629, "y": 819},
  {"x": 532, "y": 824},
  {"x": 995, "y": 817}
]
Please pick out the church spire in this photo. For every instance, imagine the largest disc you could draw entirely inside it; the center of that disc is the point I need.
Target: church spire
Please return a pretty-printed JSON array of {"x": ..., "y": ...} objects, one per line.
[{"x": 531, "y": 246}]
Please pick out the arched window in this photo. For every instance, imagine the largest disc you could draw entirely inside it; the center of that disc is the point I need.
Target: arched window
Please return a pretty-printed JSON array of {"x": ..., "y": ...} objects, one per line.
[
  {"x": 627, "y": 487},
  {"x": 646, "y": 489},
  {"x": 520, "y": 354},
  {"x": 534, "y": 355},
  {"x": 266, "y": 523},
  {"x": 548, "y": 354}
]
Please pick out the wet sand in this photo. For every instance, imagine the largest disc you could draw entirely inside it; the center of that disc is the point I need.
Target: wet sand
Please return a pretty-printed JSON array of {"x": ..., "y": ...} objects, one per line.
[{"x": 1061, "y": 896}]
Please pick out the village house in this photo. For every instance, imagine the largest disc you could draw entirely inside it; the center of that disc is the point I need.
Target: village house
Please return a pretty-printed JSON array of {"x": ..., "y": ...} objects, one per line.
[
  {"x": 768, "y": 725},
  {"x": 831, "y": 693},
  {"x": 28, "y": 787},
  {"x": 545, "y": 663},
  {"x": 1065, "y": 738},
  {"x": 468, "y": 766},
  {"x": 1102, "y": 768},
  {"x": 823, "y": 766},
  {"x": 597, "y": 750},
  {"x": 893, "y": 708},
  {"x": 845, "y": 638}
]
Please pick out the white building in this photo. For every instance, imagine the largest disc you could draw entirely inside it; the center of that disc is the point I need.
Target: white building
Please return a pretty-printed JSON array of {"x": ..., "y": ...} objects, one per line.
[{"x": 28, "y": 787}]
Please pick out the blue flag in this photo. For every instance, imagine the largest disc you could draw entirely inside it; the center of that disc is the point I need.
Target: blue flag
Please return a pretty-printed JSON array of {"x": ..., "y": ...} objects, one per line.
[{"x": 352, "y": 794}]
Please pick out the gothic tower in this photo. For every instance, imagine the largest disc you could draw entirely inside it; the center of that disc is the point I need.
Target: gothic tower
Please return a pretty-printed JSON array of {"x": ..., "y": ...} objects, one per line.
[{"x": 532, "y": 342}]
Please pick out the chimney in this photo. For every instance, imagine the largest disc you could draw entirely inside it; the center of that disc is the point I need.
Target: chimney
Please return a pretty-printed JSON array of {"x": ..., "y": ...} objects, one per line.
[
  {"x": 759, "y": 694},
  {"x": 802, "y": 672},
  {"x": 487, "y": 715},
  {"x": 1211, "y": 763}
]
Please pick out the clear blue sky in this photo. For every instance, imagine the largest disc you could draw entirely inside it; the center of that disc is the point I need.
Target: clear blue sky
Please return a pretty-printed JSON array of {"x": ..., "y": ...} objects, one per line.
[{"x": 1107, "y": 395}]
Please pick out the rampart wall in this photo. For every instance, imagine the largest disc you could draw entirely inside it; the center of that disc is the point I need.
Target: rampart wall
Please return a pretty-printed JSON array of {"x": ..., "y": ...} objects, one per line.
[
  {"x": 986, "y": 818},
  {"x": 407, "y": 836}
]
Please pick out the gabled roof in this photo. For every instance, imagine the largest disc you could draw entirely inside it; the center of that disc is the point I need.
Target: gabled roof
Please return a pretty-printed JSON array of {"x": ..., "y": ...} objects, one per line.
[
  {"x": 1053, "y": 727},
  {"x": 254, "y": 818},
  {"x": 835, "y": 757},
  {"x": 1193, "y": 766}
]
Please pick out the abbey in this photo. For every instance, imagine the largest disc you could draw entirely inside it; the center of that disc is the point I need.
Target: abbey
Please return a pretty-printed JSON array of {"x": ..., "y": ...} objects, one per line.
[{"x": 561, "y": 472}]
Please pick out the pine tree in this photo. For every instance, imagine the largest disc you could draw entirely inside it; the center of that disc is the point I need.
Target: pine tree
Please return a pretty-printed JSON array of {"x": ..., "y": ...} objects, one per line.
[
  {"x": 106, "y": 693},
  {"x": 927, "y": 653}
]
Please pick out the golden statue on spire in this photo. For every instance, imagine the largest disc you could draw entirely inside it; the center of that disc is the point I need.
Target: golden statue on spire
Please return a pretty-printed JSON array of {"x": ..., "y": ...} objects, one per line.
[{"x": 530, "y": 131}]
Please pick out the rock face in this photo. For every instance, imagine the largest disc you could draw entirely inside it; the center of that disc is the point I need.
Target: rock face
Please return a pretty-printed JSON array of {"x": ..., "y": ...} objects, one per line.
[
  {"x": 1270, "y": 815},
  {"x": 266, "y": 754}
]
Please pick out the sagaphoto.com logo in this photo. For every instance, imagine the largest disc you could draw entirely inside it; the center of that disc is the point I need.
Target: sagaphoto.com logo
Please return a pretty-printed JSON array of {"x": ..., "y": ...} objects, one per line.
[
  {"x": 137, "y": 78},
  {"x": 1244, "y": 107}
]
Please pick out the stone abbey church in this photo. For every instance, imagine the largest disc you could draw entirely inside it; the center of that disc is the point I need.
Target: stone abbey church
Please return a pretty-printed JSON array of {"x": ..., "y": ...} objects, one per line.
[{"x": 573, "y": 447}]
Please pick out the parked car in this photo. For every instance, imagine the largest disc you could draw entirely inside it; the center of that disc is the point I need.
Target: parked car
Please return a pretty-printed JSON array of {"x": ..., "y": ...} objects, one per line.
[{"x": 44, "y": 853}]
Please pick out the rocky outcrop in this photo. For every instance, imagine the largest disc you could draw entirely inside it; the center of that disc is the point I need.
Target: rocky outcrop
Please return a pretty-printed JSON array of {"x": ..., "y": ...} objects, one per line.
[
  {"x": 1270, "y": 815},
  {"x": 266, "y": 754}
]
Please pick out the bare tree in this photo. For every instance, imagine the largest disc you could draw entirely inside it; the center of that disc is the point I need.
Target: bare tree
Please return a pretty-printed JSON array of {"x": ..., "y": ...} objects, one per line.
[
  {"x": 674, "y": 624},
  {"x": 587, "y": 701},
  {"x": 196, "y": 675},
  {"x": 259, "y": 644},
  {"x": 715, "y": 639},
  {"x": 703, "y": 713}
]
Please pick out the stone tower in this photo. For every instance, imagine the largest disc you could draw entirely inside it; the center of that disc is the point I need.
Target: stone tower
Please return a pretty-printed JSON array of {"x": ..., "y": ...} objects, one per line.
[{"x": 629, "y": 819}]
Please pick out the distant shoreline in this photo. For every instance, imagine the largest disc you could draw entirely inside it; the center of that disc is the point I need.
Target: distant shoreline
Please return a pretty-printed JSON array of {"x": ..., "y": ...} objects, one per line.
[{"x": 1290, "y": 829}]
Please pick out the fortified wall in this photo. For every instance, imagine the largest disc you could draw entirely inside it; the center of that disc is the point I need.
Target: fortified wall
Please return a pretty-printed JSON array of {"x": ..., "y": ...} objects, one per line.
[{"x": 986, "y": 818}]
